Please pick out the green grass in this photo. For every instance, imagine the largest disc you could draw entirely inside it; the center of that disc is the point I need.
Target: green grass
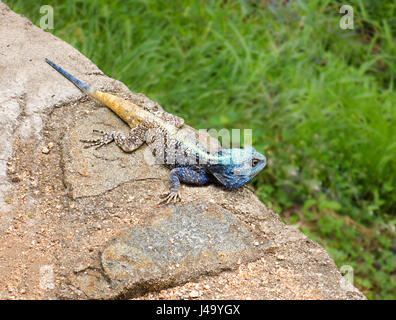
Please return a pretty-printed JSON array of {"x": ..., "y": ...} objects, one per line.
[{"x": 320, "y": 100}]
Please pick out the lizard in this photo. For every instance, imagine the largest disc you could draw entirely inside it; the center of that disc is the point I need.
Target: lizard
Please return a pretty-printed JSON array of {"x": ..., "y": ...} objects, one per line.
[{"x": 188, "y": 160}]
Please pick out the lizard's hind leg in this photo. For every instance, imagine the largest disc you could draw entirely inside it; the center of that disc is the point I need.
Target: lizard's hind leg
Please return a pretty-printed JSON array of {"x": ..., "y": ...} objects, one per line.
[{"x": 127, "y": 143}]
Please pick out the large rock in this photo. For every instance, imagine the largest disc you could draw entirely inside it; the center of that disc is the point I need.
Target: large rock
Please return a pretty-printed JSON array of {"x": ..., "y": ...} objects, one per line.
[{"x": 83, "y": 223}]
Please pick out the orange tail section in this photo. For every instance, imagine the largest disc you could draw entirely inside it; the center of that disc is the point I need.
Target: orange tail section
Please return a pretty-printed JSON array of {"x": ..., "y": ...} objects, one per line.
[{"x": 126, "y": 110}]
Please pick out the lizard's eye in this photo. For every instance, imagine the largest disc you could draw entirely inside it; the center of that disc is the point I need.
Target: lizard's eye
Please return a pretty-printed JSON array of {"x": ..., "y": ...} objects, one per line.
[{"x": 255, "y": 162}]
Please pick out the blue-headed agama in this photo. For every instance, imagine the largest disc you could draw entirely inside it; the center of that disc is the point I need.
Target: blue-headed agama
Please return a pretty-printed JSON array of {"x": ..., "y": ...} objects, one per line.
[{"x": 189, "y": 161}]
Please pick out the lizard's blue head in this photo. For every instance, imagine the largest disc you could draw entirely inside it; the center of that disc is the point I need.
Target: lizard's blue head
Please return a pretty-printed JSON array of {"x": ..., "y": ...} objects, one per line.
[{"x": 237, "y": 167}]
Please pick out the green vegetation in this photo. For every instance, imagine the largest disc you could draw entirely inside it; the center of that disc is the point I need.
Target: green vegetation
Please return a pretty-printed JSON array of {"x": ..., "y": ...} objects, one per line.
[{"x": 320, "y": 100}]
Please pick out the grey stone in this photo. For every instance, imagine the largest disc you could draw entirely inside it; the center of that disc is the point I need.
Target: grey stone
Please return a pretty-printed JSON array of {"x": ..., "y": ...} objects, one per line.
[{"x": 177, "y": 247}]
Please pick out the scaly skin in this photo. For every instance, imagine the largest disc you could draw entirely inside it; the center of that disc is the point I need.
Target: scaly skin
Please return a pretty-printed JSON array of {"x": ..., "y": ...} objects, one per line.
[{"x": 188, "y": 160}]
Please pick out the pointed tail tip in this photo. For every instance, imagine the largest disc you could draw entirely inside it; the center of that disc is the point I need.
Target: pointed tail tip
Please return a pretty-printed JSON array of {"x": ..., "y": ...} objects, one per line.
[
  {"x": 49, "y": 61},
  {"x": 79, "y": 84}
]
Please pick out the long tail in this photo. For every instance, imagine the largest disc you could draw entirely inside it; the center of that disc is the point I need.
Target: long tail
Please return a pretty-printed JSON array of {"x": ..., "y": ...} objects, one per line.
[
  {"x": 126, "y": 110},
  {"x": 79, "y": 84}
]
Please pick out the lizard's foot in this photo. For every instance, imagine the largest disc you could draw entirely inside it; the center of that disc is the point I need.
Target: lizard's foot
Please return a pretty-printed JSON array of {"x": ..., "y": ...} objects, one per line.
[
  {"x": 98, "y": 143},
  {"x": 171, "y": 197}
]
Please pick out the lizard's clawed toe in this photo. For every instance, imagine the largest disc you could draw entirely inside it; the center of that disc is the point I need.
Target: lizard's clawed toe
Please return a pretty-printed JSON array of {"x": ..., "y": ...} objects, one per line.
[
  {"x": 98, "y": 143},
  {"x": 170, "y": 197}
]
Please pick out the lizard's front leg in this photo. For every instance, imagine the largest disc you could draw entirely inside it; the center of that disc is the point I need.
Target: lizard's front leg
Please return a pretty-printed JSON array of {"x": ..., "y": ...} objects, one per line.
[
  {"x": 128, "y": 143},
  {"x": 186, "y": 175}
]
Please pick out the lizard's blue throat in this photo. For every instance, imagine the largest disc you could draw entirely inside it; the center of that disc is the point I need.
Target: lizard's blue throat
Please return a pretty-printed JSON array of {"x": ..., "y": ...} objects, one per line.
[{"x": 237, "y": 167}]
